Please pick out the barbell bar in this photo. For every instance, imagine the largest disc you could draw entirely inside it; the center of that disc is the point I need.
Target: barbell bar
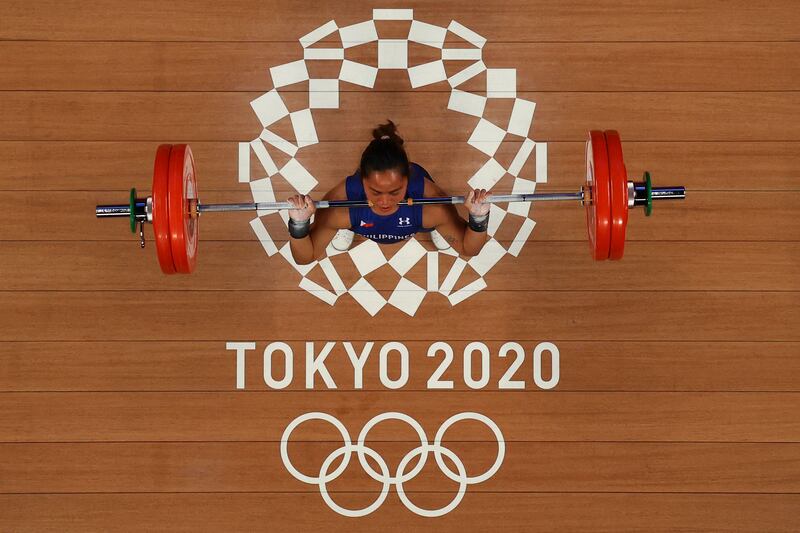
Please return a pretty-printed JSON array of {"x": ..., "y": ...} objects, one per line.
[
  {"x": 123, "y": 210},
  {"x": 174, "y": 208}
]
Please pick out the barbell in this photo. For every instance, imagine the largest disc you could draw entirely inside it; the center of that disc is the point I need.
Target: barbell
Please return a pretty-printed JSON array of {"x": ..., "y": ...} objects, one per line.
[{"x": 174, "y": 209}]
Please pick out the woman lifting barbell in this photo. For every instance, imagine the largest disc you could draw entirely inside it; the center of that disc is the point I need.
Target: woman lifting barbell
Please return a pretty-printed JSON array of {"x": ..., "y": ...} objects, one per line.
[
  {"x": 396, "y": 200},
  {"x": 385, "y": 178}
]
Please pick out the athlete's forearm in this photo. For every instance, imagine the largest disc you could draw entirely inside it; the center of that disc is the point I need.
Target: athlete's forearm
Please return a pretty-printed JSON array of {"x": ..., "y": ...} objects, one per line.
[
  {"x": 473, "y": 241},
  {"x": 302, "y": 249}
]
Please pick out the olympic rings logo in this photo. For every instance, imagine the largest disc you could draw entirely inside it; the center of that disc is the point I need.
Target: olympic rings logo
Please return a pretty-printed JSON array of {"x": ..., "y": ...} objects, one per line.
[{"x": 403, "y": 473}]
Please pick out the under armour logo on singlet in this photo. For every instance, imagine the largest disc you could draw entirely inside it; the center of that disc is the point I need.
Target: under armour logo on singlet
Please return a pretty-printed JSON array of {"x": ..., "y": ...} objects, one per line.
[{"x": 404, "y": 221}]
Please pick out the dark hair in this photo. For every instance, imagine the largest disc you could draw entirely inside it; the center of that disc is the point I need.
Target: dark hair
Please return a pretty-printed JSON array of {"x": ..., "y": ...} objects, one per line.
[{"x": 384, "y": 153}]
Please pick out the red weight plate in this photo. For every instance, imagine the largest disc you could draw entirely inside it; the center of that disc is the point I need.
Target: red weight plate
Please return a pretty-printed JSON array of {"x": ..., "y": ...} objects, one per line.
[
  {"x": 182, "y": 227},
  {"x": 161, "y": 209},
  {"x": 619, "y": 194},
  {"x": 598, "y": 201}
]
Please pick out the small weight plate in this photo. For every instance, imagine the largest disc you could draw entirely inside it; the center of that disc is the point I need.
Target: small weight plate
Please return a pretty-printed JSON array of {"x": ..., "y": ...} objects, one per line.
[
  {"x": 648, "y": 188},
  {"x": 132, "y": 209},
  {"x": 619, "y": 194},
  {"x": 597, "y": 200},
  {"x": 183, "y": 227},
  {"x": 161, "y": 208}
]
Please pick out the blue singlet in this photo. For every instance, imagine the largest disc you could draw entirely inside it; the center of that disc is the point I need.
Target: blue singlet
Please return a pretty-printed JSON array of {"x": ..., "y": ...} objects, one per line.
[{"x": 398, "y": 226}]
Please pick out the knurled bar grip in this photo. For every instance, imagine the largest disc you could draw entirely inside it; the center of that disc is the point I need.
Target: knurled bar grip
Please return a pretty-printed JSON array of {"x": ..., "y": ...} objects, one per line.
[{"x": 325, "y": 204}]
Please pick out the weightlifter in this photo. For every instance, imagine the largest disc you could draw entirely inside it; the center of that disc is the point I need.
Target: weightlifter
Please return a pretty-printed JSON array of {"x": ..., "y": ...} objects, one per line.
[{"x": 385, "y": 177}]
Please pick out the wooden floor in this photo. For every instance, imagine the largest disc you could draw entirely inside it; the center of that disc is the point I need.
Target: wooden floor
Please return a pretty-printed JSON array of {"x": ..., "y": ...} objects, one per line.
[{"x": 677, "y": 406}]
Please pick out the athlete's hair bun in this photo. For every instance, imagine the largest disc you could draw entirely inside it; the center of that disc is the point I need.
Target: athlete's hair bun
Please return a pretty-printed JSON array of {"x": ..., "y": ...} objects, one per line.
[
  {"x": 385, "y": 152},
  {"x": 388, "y": 130}
]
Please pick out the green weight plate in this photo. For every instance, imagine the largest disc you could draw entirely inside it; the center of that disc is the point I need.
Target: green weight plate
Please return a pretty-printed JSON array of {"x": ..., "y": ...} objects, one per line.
[{"x": 133, "y": 210}]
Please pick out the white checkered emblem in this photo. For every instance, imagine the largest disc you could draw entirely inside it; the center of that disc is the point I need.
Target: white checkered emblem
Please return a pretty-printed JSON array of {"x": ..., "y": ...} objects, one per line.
[{"x": 486, "y": 138}]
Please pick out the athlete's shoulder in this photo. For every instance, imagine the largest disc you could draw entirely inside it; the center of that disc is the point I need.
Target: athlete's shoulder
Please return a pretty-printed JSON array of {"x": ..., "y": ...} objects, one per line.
[
  {"x": 434, "y": 214},
  {"x": 419, "y": 168},
  {"x": 338, "y": 192},
  {"x": 334, "y": 218},
  {"x": 432, "y": 189}
]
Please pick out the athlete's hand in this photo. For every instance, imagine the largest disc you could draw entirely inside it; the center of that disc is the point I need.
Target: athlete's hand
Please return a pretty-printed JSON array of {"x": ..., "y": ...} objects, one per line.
[
  {"x": 304, "y": 207},
  {"x": 476, "y": 203}
]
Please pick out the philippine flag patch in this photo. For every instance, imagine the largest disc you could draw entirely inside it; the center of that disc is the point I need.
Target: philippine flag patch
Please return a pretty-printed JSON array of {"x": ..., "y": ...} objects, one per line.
[{"x": 366, "y": 224}]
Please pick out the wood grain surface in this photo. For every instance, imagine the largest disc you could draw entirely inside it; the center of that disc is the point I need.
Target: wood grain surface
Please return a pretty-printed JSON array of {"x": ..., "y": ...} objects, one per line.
[
  {"x": 621, "y": 366},
  {"x": 715, "y": 166},
  {"x": 560, "y": 116}
]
